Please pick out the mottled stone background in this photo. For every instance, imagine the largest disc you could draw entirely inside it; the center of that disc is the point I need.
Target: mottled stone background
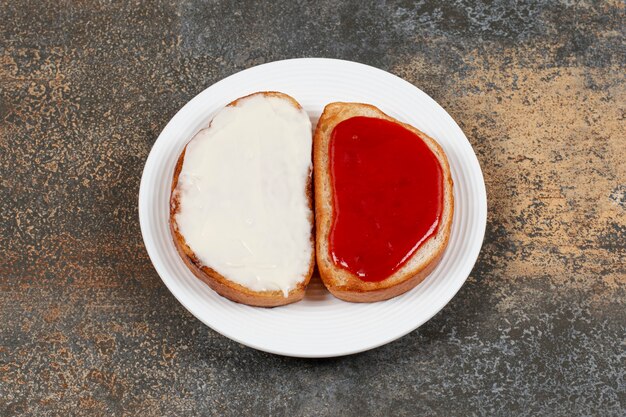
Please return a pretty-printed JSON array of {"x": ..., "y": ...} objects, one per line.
[{"x": 87, "y": 327}]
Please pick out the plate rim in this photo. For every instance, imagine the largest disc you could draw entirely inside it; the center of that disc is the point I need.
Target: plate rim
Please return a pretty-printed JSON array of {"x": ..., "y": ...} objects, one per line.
[{"x": 144, "y": 201}]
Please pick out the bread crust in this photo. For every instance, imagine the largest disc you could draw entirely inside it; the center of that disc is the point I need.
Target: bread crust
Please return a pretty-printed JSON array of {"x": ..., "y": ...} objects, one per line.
[
  {"x": 215, "y": 280},
  {"x": 339, "y": 281}
]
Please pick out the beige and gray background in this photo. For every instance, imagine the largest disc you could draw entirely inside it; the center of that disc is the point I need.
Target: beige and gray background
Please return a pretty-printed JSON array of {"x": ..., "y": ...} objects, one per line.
[{"x": 88, "y": 328}]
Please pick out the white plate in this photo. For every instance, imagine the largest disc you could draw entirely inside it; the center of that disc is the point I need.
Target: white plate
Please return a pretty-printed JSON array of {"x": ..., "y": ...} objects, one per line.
[{"x": 320, "y": 325}]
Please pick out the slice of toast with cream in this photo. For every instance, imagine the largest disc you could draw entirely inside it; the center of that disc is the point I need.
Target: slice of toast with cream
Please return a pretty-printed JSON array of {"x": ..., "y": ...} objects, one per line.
[{"x": 241, "y": 210}]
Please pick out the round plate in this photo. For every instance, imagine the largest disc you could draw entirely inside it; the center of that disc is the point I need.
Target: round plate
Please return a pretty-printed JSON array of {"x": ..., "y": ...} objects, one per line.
[{"x": 320, "y": 325}]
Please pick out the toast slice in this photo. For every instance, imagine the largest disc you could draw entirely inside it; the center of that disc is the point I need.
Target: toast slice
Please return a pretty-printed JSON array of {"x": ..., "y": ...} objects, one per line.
[
  {"x": 339, "y": 280},
  {"x": 241, "y": 213}
]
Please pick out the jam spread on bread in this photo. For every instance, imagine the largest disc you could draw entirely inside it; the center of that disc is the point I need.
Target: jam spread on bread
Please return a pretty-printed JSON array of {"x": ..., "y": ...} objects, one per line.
[{"x": 387, "y": 196}]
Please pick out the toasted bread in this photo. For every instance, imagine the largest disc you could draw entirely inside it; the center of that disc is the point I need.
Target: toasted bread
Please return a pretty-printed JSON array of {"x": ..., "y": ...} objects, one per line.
[
  {"x": 340, "y": 282},
  {"x": 217, "y": 279}
]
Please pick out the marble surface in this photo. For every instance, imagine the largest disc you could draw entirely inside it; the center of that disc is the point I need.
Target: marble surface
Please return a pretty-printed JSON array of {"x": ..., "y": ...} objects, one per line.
[{"x": 87, "y": 327}]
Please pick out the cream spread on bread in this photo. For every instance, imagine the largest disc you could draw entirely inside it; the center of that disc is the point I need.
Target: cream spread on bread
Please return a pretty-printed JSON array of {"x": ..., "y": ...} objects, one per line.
[{"x": 243, "y": 209}]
